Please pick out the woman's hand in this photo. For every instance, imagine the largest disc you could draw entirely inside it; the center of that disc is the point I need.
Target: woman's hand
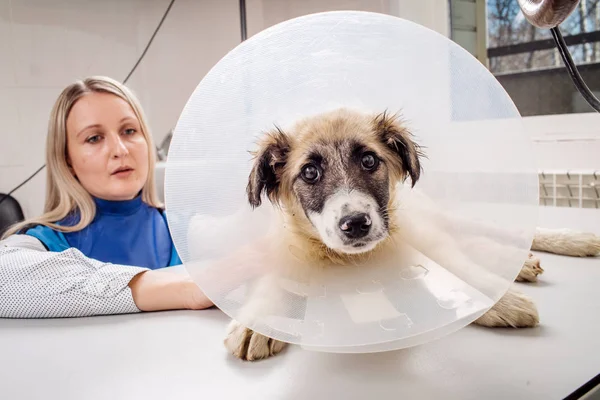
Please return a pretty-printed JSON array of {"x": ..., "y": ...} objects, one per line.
[
  {"x": 162, "y": 289},
  {"x": 159, "y": 290}
]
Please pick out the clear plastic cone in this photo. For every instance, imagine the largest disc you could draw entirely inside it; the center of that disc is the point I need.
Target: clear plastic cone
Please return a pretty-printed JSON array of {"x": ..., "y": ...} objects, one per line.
[{"x": 463, "y": 231}]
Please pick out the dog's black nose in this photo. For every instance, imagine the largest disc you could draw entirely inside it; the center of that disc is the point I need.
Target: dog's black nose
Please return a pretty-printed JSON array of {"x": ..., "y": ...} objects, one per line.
[{"x": 355, "y": 226}]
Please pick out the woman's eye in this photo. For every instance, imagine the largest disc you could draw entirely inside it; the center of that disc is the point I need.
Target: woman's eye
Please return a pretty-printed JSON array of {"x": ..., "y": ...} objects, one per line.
[
  {"x": 310, "y": 173},
  {"x": 130, "y": 131},
  {"x": 93, "y": 139},
  {"x": 369, "y": 161}
]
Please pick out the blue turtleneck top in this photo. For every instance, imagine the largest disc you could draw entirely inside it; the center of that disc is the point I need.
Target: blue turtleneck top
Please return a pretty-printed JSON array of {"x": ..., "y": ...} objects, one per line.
[{"x": 123, "y": 232}]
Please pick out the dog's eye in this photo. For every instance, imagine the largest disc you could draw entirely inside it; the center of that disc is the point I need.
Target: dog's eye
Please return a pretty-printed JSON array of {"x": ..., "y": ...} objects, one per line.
[
  {"x": 310, "y": 173},
  {"x": 369, "y": 161}
]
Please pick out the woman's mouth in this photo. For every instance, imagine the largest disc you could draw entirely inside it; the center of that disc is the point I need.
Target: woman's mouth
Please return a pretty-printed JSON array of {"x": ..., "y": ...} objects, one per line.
[{"x": 122, "y": 171}]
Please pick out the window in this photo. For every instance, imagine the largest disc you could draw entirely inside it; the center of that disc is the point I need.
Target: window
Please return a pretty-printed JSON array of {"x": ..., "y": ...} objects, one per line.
[{"x": 526, "y": 62}]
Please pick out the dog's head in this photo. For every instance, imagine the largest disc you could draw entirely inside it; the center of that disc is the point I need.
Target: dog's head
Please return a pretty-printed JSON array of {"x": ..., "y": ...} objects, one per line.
[{"x": 336, "y": 173}]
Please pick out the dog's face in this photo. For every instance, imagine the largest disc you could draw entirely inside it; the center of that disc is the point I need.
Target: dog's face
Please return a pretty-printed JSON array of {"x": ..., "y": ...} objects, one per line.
[{"x": 336, "y": 171}]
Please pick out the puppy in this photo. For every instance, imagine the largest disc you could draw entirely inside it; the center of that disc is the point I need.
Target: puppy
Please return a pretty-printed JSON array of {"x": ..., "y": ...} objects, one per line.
[{"x": 334, "y": 179}]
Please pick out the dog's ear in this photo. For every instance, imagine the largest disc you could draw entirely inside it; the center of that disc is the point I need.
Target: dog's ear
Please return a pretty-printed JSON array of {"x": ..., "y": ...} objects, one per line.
[
  {"x": 398, "y": 139},
  {"x": 270, "y": 159}
]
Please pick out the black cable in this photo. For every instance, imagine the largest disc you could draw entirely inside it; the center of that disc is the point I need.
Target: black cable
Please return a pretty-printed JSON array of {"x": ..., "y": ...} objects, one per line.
[
  {"x": 6, "y": 196},
  {"x": 124, "y": 81},
  {"x": 150, "y": 41},
  {"x": 572, "y": 69},
  {"x": 243, "y": 29}
]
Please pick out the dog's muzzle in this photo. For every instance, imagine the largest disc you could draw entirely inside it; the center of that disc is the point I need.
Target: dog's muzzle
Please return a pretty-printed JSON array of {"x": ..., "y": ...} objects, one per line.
[{"x": 350, "y": 222}]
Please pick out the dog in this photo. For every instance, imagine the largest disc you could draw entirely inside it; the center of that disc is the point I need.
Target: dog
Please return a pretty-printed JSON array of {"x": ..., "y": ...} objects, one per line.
[{"x": 333, "y": 178}]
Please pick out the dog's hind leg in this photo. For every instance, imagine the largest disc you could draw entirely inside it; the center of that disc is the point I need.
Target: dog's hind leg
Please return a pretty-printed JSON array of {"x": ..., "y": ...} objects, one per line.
[
  {"x": 531, "y": 269},
  {"x": 566, "y": 242}
]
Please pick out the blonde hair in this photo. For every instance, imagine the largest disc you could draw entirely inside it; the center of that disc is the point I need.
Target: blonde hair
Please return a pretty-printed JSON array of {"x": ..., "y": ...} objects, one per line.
[{"x": 64, "y": 193}]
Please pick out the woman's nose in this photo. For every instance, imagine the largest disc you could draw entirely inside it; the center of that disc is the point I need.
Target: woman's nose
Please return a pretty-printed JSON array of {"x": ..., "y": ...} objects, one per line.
[{"x": 119, "y": 149}]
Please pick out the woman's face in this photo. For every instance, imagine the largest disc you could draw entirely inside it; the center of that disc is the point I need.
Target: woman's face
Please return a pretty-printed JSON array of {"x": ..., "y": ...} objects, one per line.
[{"x": 107, "y": 151}]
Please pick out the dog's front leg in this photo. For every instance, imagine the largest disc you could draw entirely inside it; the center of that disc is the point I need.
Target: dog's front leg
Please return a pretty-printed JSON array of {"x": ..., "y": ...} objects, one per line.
[
  {"x": 514, "y": 309},
  {"x": 243, "y": 342},
  {"x": 248, "y": 345}
]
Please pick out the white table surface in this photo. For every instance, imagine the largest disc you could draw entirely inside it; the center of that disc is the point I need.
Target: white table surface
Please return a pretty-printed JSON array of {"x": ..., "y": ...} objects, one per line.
[{"x": 179, "y": 355}]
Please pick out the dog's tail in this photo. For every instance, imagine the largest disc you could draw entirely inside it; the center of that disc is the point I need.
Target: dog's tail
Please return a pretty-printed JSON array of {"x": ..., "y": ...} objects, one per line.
[{"x": 566, "y": 242}]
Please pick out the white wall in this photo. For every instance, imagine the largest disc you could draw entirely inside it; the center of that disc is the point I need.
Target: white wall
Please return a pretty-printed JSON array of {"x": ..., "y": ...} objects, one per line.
[
  {"x": 430, "y": 13},
  {"x": 262, "y": 14},
  {"x": 433, "y": 14},
  {"x": 566, "y": 142}
]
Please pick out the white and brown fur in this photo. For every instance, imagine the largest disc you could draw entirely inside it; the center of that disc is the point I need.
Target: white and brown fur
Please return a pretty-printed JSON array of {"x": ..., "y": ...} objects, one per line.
[{"x": 357, "y": 160}]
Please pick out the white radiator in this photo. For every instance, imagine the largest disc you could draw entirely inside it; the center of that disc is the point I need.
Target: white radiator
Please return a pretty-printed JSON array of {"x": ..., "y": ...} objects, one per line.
[{"x": 570, "y": 188}]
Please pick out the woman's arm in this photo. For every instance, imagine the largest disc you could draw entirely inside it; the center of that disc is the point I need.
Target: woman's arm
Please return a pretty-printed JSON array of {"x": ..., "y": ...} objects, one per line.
[
  {"x": 35, "y": 283},
  {"x": 165, "y": 290}
]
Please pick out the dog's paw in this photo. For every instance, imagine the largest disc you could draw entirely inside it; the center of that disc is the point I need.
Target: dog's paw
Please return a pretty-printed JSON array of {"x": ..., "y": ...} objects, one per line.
[
  {"x": 531, "y": 269},
  {"x": 514, "y": 310},
  {"x": 248, "y": 345}
]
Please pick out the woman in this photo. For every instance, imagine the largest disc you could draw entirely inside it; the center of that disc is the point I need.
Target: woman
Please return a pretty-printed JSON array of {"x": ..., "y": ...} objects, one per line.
[{"x": 102, "y": 242}]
